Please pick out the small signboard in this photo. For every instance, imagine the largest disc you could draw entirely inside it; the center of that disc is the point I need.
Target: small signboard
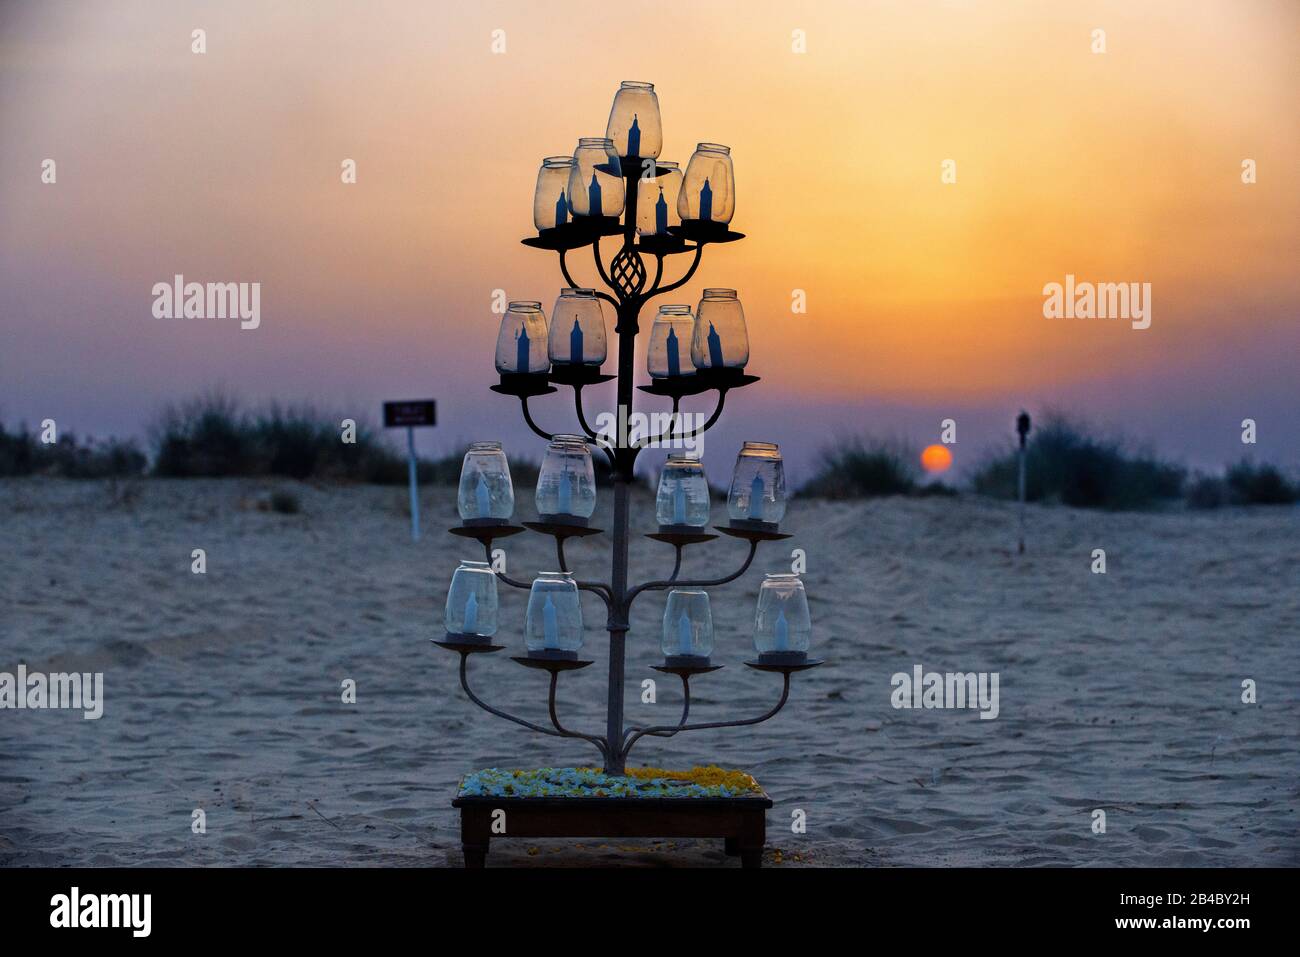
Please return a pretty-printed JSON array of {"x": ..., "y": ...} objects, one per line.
[{"x": 410, "y": 412}]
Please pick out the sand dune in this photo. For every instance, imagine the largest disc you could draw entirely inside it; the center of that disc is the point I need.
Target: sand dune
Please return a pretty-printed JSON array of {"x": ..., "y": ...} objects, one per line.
[{"x": 1118, "y": 691}]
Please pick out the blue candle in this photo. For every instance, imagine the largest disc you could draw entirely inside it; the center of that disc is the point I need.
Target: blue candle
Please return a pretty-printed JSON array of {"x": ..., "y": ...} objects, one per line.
[
  {"x": 634, "y": 138},
  {"x": 781, "y": 632},
  {"x": 521, "y": 350},
  {"x": 674, "y": 363},
  {"x": 756, "y": 498},
  {"x": 481, "y": 497},
  {"x": 715, "y": 348},
  {"x": 706, "y": 201},
  {"x": 593, "y": 197},
  {"x": 684, "y": 635},
  {"x": 679, "y": 503},
  {"x": 561, "y": 210},
  {"x": 575, "y": 343},
  {"x": 550, "y": 625},
  {"x": 471, "y": 615},
  {"x": 661, "y": 213},
  {"x": 565, "y": 495}
]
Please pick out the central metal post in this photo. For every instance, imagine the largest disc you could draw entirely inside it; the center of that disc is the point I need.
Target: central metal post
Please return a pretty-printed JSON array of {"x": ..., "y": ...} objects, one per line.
[{"x": 624, "y": 462}]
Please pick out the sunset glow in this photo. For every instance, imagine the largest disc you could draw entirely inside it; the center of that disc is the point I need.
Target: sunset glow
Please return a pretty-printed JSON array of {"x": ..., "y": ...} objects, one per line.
[{"x": 1124, "y": 167}]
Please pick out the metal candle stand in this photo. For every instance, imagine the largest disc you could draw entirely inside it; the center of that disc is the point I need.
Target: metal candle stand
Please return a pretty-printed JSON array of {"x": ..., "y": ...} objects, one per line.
[{"x": 631, "y": 286}]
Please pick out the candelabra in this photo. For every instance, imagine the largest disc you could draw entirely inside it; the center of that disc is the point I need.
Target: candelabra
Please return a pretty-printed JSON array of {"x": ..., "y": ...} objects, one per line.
[{"x": 615, "y": 186}]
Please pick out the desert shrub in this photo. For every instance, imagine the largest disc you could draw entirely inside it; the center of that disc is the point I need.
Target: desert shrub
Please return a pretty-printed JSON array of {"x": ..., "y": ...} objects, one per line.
[
  {"x": 22, "y": 453},
  {"x": 1068, "y": 464},
  {"x": 207, "y": 436},
  {"x": 1250, "y": 484},
  {"x": 863, "y": 468},
  {"x": 1207, "y": 491}
]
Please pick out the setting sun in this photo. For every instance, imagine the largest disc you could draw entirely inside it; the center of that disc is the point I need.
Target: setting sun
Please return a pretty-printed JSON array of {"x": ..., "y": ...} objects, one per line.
[{"x": 936, "y": 458}]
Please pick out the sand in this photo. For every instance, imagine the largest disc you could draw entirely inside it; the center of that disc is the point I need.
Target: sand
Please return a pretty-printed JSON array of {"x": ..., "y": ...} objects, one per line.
[{"x": 1119, "y": 692}]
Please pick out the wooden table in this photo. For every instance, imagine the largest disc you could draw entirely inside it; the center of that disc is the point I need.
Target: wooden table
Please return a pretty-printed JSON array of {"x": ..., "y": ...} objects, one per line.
[{"x": 740, "y": 821}]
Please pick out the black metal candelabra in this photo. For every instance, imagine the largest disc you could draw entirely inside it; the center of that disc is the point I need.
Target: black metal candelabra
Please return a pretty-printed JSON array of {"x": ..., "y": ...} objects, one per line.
[{"x": 630, "y": 287}]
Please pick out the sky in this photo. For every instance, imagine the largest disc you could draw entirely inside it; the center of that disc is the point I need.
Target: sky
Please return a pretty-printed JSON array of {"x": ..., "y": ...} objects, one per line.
[{"x": 924, "y": 297}]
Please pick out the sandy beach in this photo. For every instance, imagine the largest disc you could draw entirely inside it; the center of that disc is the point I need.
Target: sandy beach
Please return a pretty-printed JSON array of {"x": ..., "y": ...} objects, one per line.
[{"x": 1119, "y": 692}]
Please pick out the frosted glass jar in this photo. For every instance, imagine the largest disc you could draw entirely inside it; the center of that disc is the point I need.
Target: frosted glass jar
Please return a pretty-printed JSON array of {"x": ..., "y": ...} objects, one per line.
[
  {"x": 720, "y": 339},
  {"x": 757, "y": 485},
  {"x": 709, "y": 186},
  {"x": 521, "y": 342},
  {"x": 782, "y": 626},
  {"x": 472, "y": 601},
  {"x": 554, "y": 623},
  {"x": 687, "y": 627},
  {"x": 683, "y": 495},
  {"x": 669, "y": 351},
  {"x": 566, "y": 483},
  {"x": 656, "y": 201},
  {"x": 634, "y": 125},
  {"x": 577, "y": 329},
  {"x": 596, "y": 181},
  {"x": 486, "y": 495},
  {"x": 551, "y": 195}
]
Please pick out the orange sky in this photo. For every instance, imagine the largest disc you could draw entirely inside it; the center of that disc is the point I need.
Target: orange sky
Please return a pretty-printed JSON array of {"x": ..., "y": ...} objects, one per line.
[{"x": 1123, "y": 166}]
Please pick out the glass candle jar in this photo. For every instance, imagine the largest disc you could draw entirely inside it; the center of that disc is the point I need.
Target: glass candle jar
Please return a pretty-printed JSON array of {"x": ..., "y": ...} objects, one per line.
[
  {"x": 668, "y": 353},
  {"x": 486, "y": 493},
  {"x": 554, "y": 622},
  {"x": 709, "y": 186},
  {"x": 683, "y": 496},
  {"x": 472, "y": 601},
  {"x": 577, "y": 329},
  {"x": 782, "y": 625},
  {"x": 596, "y": 180},
  {"x": 688, "y": 625},
  {"x": 521, "y": 343},
  {"x": 656, "y": 201},
  {"x": 757, "y": 485},
  {"x": 551, "y": 196},
  {"x": 634, "y": 125},
  {"x": 720, "y": 340},
  {"x": 566, "y": 484}
]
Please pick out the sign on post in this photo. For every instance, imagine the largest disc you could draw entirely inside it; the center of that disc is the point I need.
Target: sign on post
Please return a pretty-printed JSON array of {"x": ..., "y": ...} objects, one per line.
[
  {"x": 409, "y": 414},
  {"x": 1022, "y": 429}
]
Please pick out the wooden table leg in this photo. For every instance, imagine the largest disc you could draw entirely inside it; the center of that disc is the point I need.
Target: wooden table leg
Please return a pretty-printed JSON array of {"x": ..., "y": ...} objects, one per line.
[
  {"x": 732, "y": 847},
  {"x": 475, "y": 835},
  {"x": 753, "y": 836}
]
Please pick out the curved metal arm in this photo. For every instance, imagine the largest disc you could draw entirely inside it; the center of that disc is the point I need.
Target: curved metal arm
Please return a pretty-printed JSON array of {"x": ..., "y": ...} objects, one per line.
[
  {"x": 785, "y": 695},
  {"x": 677, "y": 564},
  {"x": 693, "y": 583},
  {"x": 600, "y": 589},
  {"x": 464, "y": 683},
  {"x": 598, "y": 741},
  {"x": 600, "y": 265},
  {"x": 659, "y": 274},
  {"x": 686, "y": 710},
  {"x": 514, "y": 583},
  {"x": 564, "y": 270},
  {"x": 695, "y": 264},
  {"x": 589, "y": 432},
  {"x": 669, "y": 436},
  {"x": 528, "y": 417}
]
